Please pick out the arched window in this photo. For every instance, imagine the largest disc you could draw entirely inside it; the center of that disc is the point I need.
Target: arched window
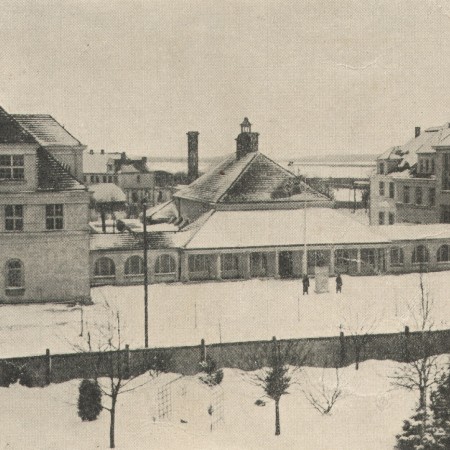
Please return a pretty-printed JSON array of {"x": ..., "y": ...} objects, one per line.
[
  {"x": 443, "y": 253},
  {"x": 396, "y": 256},
  {"x": 165, "y": 264},
  {"x": 134, "y": 265},
  {"x": 104, "y": 267},
  {"x": 420, "y": 255},
  {"x": 14, "y": 274}
]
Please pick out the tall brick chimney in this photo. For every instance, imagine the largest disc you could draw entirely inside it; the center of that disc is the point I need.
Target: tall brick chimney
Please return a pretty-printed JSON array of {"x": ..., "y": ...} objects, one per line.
[
  {"x": 192, "y": 155},
  {"x": 417, "y": 132},
  {"x": 247, "y": 141}
]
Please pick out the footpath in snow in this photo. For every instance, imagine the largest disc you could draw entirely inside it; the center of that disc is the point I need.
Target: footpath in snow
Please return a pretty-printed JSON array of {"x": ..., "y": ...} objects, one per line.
[{"x": 183, "y": 314}]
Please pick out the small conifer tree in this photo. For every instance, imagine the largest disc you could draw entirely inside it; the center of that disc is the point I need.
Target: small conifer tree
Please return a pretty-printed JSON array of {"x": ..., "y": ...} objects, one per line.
[{"x": 89, "y": 400}]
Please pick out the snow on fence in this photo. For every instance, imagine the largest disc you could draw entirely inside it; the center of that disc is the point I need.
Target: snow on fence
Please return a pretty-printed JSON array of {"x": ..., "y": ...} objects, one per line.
[{"x": 337, "y": 351}]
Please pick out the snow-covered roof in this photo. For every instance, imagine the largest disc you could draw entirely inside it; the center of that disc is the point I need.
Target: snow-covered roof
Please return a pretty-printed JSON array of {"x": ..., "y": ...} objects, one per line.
[
  {"x": 97, "y": 162},
  {"x": 266, "y": 228},
  {"x": 424, "y": 143},
  {"x": 46, "y": 130},
  {"x": 253, "y": 178},
  {"x": 107, "y": 193},
  {"x": 400, "y": 232}
]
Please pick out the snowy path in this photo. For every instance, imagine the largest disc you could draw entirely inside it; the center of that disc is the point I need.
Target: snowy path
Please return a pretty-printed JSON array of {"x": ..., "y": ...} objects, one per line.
[{"x": 182, "y": 314}]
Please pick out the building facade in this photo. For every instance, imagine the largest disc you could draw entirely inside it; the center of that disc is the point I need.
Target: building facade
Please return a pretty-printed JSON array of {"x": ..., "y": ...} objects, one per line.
[
  {"x": 132, "y": 176},
  {"x": 44, "y": 208},
  {"x": 411, "y": 181}
]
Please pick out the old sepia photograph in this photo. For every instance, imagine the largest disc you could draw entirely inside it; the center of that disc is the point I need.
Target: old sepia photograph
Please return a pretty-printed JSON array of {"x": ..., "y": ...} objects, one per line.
[{"x": 225, "y": 224}]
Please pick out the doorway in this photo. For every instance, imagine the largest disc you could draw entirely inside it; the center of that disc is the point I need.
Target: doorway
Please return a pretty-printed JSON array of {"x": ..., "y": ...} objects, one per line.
[{"x": 285, "y": 265}]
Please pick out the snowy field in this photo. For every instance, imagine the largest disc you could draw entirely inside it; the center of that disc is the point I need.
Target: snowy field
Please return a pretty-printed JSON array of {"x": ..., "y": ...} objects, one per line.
[
  {"x": 367, "y": 417},
  {"x": 183, "y": 314}
]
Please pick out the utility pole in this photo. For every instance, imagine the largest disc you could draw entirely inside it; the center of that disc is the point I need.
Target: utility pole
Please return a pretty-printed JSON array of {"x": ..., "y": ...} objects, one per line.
[{"x": 144, "y": 218}]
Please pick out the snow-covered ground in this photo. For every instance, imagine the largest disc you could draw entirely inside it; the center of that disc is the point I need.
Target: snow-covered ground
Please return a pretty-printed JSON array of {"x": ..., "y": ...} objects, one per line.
[
  {"x": 367, "y": 417},
  {"x": 183, "y": 314}
]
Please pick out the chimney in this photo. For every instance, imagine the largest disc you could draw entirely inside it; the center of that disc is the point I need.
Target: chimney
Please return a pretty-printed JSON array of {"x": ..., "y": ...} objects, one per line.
[
  {"x": 417, "y": 132},
  {"x": 192, "y": 155},
  {"x": 247, "y": 141},
  {"x": 144, "y": 160},
  {"x": 91, "y": 152},
  {"x": 123, "y": 156},
  {"x": 102, "y": 151}
]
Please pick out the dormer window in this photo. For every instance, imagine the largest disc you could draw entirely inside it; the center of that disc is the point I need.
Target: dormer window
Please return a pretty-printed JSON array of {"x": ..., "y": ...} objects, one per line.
[
  {"x": 12, "y": 167},
  {"x": 381, "y": 168}
]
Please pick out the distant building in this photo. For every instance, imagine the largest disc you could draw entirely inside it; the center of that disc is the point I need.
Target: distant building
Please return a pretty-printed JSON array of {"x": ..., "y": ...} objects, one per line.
[
  {"x": 44, "y": 234},
  {"x": 412, "y": 181},
  {"x": 132, "y": 175}
]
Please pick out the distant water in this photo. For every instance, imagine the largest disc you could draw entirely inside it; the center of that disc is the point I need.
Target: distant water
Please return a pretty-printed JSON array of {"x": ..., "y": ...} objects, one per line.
[{"x": 337, "y": 168}]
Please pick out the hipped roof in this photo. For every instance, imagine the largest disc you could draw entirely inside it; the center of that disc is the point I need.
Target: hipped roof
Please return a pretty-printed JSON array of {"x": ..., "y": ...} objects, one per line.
[
  {"x": 251, "y": 178},
  {"x": 278, "y": 228}
]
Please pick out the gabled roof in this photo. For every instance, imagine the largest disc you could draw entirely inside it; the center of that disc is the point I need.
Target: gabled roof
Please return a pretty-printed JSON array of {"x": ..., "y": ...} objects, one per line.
[
  {"x": 252, "y": 178},
  {"x": 52, "y": 175},
  {"x": 11, "y": 132},
  {"x": 46, "y": 130}
]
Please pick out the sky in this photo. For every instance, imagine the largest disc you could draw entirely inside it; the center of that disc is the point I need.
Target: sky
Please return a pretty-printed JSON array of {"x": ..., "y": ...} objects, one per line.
[{"x": 314, "y": 77}]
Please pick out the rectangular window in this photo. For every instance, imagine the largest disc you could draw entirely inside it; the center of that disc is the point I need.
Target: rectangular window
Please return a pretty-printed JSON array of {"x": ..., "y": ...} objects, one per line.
[
  {"x": 105, "y": 179},
  {"x": 92, "y": 179},
  {"x": 391, "y": 218},
  {"x": 432, "y": 196},
  {"x": 54, "y": 217},
  {"x": 445, "y": 214},
  {"x": 432, "y": 165},
  {"x": 446, "y": 172},
  {"x": 12, "y": 167},
  {"x": 421, "y": 166},
  {"x": 199, "y": 263},
  {"x": 396, "y": 256},
  {"x": 381, "y": 168},
  {"x": 418, "y": 195},
  {"x": 110, "y": 179},
  {"x": 427, "y": 165},
  {"x": 406, "y": 198},
  {"x": 367, "y": 258},
  {"x": 381, "y": 218},
  {"x": 391, "y": 190},
  {"x": 14, "y": 217},
  {"x": 381, "y": 188},
  {"x": 229, "y": 262}
]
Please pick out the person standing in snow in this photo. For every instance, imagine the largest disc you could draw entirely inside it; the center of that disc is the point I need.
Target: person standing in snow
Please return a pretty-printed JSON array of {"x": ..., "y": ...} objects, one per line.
[
  {"x": 338, "y": 284},
  {"x": 305, "y": 282}
]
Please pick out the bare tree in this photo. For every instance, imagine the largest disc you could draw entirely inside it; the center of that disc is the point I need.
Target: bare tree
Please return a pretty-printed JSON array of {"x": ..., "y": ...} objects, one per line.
[
  {"x": 359, "y": 329},
  {"x": 112, "y": 369},
  {"x": 321, "y": 396},
  {"x": 422, "y": 372},
  {"x": 279, "y": 374}
]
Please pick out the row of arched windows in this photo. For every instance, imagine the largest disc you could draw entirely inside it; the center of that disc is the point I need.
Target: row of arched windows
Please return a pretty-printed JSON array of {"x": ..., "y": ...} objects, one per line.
[
  {"x": 420, "y": 255},
  {"x": 134, "y": 265}
]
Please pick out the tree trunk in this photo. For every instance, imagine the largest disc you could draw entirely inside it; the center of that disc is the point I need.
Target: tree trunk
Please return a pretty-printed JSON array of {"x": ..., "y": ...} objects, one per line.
[
  {"x": 277, "y": 418},
  {"x": 423, "y": 398},
  {"x": 112, "y": 423}
]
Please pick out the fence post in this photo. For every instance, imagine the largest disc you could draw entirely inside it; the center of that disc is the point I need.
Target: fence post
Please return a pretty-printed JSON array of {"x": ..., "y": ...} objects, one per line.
[
  {"x": 48, "y": 368},
  {"x": 343, "y": 351},
  {"x": 407, "y": 355},
  {"x": 127, "y": 361},
  {"x": 202, "y": 351}
]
